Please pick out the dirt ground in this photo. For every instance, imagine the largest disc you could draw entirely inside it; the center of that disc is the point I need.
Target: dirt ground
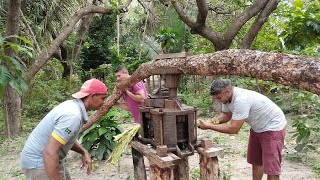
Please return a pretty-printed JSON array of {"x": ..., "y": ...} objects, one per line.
[{"x": 232, "y": 163}]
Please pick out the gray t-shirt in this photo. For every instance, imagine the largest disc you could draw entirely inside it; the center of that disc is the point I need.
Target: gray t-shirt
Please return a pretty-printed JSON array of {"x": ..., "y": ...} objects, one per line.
[
  {"x": 64, "y": 123},
  {"x": 256, "y": 109}
]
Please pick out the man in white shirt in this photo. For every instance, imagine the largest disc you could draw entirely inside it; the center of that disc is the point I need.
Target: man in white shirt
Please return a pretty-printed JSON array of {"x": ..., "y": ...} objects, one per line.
[{"x": 267, "y": 123}]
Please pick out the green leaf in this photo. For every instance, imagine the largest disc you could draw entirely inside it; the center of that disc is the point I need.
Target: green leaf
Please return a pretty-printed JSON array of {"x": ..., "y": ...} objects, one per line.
[
  {"x": 110, "y": 123},
  {"x": 14, "y": 46},
  {"x": 298, "y": 3},
  {"x": 2, "y": 40},
  {"x": 108, "y": 136},
  {"x": 89, "y": 129},
  {"x": 102, "y": 130},
  {"x": 5, "y": 76},
  {"x": 100, "y": 151},
  {"x": 92, "y": 136},
  {"x": 311, "y": 147},
  {"x": 25, "y": 40},
  {"x": 300, "y": 147}
]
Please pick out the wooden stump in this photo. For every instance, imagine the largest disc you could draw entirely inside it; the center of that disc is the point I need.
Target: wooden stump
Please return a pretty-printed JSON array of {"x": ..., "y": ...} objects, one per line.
[
  {"x": 209, "y": 168},
  {"x": 158, "y": 173},
  {"x": 209, "y": 163},
  {"x": 181, "y": 171}
]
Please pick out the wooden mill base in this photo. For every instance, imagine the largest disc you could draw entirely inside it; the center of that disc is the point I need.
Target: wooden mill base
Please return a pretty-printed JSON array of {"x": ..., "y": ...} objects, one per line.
[{"x": 165, "y": 165}]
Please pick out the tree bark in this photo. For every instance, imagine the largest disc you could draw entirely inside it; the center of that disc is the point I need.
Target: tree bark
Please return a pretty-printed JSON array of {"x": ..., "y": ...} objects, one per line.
[
  {"x": 260, "y": 8},
  {"x": 295, "y": 71},
  {"x": 12, "y": 100}
]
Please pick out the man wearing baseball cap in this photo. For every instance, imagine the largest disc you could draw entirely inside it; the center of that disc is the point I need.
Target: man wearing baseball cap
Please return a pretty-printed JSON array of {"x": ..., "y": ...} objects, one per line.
[{"x": 48, "y": 144}]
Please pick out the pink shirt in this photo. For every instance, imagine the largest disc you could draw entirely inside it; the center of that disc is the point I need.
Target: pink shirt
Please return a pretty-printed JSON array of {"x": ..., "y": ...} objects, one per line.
[{"x": 132, "y": 104}]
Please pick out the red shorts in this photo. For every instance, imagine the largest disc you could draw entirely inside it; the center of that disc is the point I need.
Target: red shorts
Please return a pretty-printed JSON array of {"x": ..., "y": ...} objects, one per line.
[{"x": 265, "y": 149}]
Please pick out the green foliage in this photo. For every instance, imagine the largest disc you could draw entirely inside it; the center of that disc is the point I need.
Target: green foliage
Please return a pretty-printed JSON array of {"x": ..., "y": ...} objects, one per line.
[
  {"x": 174, "y": 36},
  {"x": 97, "y": 49},
  {"x": 302, "y": 24},
  {"x": 195, "y": 173},
  {"x": 196, "y": 86},
  {"x": 98, "y": 139},
  {"x": 308, "y": 127},
  {"x": 47, "y": 90},
  {"x": 167, "y": 38},
  {"x": 12, "y": 68},
  {"x": 316, "y": 168}
]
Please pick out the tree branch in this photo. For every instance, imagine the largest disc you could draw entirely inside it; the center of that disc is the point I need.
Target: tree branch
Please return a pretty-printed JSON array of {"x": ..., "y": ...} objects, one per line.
[
  {"x": 202, "y": 13},
  {"x": 204, "y": 31},
  {"x": 47, "y": 53},
  {"x": 237, "y": 24},
  {"x": 183, "y": 16},
  {"x": 294, "y": 71},
  {"x": 258, "y": 23}
]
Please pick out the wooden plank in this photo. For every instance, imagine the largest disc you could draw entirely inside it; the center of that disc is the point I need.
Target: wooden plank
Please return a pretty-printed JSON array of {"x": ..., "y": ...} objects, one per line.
[
  {"x": 159, "y": 103},
  {"x": 142, "y": 121},
  {"x": 138, "y": 165},
  {"x": 173, "y": 55},
  {"x": 210, "y": 152},
  {"x": 181, "y": 171},
  {"x": 149, "y": 102},
  {"x": 191, "y": 128},
  {"x": 169, "y": 131},
  {"x": 171, "y": 112},
  {"x": 151, "y": 154},
  {"x": 157, "y": 129}
]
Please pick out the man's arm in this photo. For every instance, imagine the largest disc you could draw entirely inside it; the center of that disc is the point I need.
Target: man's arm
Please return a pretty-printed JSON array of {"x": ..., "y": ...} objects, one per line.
[
  {"x": 86, "y": 159},
  {"x": 139, "y": 96},
  {"x": 51, "y": 158},
  {"x": 224, "y": 117},
  {"x": 229, "y": 128}
]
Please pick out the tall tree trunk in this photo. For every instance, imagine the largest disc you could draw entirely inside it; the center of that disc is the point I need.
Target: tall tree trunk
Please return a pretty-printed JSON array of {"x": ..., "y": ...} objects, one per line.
[{"x": 12, "y": 100}]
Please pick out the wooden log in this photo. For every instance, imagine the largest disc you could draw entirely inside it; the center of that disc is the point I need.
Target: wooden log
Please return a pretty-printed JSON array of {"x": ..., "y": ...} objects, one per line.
[
  {"x": 158, "y": 173},
  {"x": 181, "y": 171},
  {"x": 151, "y": 154},
  {"x": 209, "y": 168},
  {"x": 209, "y": 163},
  {"x": 138, "y": 165}
]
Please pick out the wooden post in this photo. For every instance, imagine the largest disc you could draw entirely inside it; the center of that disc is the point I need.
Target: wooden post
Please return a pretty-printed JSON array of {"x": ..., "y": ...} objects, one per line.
[
  {"x": 138, "y": 165},
  {"x": 181, "y": 171},
  {"x": 158, "y": 173},
  {"x": 209, "y": 163},
  {"x": 161, "y": 167},
  {"x": 209, "y": 168}
]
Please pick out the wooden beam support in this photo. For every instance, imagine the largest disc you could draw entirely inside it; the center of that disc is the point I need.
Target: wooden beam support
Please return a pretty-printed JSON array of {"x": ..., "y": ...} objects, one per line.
[
  {"x": 138, "y": 165},
  {"x": 209, "y": 163},
  {"x": 158, "y": 173},
  {"x": 181, "y": 171},
  {"x": 162, "y": 162}
]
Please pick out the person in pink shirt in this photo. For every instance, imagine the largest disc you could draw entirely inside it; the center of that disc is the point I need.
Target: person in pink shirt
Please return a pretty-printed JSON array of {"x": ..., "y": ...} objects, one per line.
[{"x": 134, "y": 96}]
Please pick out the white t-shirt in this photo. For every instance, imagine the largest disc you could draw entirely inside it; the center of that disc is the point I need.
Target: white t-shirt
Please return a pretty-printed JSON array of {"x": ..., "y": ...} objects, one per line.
[{"x": 256, "y": 109}]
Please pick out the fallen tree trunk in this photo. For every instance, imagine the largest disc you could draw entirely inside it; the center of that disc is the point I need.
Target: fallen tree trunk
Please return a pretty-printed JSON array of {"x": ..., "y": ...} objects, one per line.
[{"x": 295, "y": 71}]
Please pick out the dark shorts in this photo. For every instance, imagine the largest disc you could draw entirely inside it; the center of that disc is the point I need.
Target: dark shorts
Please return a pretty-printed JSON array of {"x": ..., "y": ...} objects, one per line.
[{"x": 265, "y": 149}]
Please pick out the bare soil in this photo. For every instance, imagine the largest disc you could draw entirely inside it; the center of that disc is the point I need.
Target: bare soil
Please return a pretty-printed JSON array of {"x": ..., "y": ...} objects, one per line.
[{"x": 233, "y": 163}]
